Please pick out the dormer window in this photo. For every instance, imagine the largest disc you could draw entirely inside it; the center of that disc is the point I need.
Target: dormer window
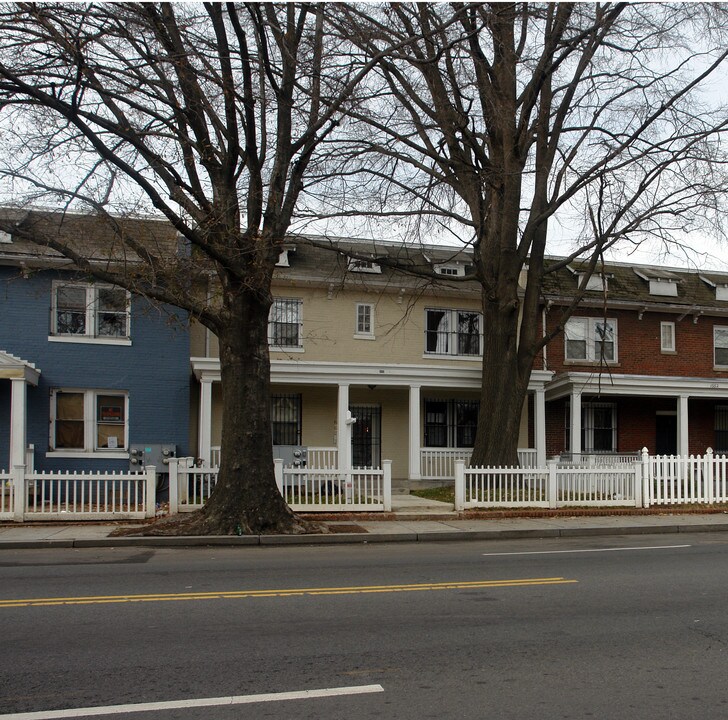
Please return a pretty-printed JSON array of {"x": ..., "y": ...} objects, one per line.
[
  {"x": 5, "y": 237},
  {"x": 363, "y": 266},
  {"x": 661, "y": 282},
  {"x": 719, "y": 283},
  {"x": 453, "y": 269},
  {"x": 596, "y": 282}
]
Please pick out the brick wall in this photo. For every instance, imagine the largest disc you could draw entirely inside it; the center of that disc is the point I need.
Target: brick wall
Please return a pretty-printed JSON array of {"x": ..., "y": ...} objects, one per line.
[{"x": 638, "y": 345}]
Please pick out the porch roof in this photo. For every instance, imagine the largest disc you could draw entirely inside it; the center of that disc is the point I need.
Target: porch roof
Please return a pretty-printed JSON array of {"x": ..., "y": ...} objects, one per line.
[
  {"x": 292, "y": 372},
  {"x": 586, "y": 383},
  {"x": 12, "y": 367}
]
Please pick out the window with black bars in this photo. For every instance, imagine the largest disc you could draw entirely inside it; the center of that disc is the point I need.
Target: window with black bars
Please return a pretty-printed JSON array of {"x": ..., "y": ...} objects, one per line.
[
  {"x": 285, "y": 411},
  {"x": 721, "y": 429},
  {"x": 451, "y": 423},
  {"x": 598, "y": 427},
  {"x": 284, "y": 323}
]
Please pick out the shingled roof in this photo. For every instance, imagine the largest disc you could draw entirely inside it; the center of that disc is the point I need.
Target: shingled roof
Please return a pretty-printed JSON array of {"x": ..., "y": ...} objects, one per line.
[
  {"x": 630, "y": 284},
  {"x": 99, "y": 238}
]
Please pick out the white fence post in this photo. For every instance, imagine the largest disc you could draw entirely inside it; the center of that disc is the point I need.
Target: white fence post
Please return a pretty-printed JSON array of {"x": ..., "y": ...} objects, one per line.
[
  {"x": 278, "y": 471},
  {"x": 708, "y": 475},
  {"x": 387, "y": 485},
  {"x": 20, "y": 492},
  {"x": 637, "y": 483},
  {"x": 459, "y": 485},
  {"x": 151, "y": 492},
  {"x": 646, "y": 485},
  {"x": 173, "y": 485},
  {"x": 551, "y": 485}
]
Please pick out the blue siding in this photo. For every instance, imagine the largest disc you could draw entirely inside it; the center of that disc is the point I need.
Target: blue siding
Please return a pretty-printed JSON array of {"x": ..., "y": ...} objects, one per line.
[{"x": 154, "y": 370}]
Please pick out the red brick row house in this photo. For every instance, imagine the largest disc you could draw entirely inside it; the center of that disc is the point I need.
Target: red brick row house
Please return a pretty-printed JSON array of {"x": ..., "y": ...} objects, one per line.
[{"x": 643, "y": 362}]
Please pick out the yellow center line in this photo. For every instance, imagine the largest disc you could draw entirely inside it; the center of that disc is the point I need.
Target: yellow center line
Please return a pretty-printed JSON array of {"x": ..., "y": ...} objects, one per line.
[{"x": 293, "y": 592}]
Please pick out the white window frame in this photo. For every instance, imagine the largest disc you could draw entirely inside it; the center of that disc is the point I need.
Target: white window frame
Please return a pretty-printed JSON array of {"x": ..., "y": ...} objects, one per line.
[
  {"x": 91, "y": 334},
  {"x": 589, "y": 334},
  {"x": 90, "y": 425},
  {"x": 667, "y": 344},
  {"x": 360, "y": 331},
  {"x": 717, "y": 330},
  {"x": 449, "y": 336},
  {"x": 290, "y": 303}
]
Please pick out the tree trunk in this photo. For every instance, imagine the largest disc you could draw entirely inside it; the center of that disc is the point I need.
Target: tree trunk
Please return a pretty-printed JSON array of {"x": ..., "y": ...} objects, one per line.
[
  {"x": 503, "y": 386},
  {"x": 246, "y": 499}
]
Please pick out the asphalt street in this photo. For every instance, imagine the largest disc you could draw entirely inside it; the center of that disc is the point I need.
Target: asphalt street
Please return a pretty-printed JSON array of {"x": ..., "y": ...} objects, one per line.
[{"x": 609, "y": 627}]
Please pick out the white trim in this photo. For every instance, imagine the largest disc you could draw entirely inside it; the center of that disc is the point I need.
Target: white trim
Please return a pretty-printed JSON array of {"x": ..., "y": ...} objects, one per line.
[
  {"x": 639, "y": 385},
  {"x": 121, "y": 454},
  {"x": 309, "y": 372},
  {"x": 88, "y": 340}
]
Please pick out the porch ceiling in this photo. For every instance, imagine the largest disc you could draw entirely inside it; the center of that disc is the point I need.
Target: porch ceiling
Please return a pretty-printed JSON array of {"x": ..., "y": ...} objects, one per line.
[
  {"x": 640, "y": 385},
  {"x": 12, "y": 367}
]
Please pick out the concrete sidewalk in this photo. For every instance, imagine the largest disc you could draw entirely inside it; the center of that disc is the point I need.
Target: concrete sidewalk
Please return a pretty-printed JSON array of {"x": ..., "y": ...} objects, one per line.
[{"x": 353, "y": 530}]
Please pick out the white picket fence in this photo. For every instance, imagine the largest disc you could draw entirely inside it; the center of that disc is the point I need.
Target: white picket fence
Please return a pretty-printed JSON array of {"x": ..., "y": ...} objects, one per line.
[
  {"x": 646, "y": 481},
  {"x": 77, "y": 495},
  {"x": 304, "y": 489}
]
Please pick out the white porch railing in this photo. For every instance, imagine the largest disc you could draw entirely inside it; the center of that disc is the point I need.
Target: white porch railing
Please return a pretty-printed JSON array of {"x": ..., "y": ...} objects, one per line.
[
  {"x": 318, "y": 457},
  {"x": 598, "y": 459},
  {"x": 77, "y": 495},
  {"x": 304, "y": 489},
  {"x": 439, "y": 463}
]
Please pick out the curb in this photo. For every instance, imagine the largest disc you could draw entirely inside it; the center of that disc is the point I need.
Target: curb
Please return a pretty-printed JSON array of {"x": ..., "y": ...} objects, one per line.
[{"x": 359, "y": 538}]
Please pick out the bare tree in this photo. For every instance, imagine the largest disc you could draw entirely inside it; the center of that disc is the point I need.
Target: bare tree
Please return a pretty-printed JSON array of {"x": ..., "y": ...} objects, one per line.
[
  {"x": 210, "y": 114},
  {"x": 497, "y": 120}
]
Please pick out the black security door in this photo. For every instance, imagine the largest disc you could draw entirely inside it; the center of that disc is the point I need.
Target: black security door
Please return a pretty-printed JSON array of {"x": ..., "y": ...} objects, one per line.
[{"x": 366, "y": 438}]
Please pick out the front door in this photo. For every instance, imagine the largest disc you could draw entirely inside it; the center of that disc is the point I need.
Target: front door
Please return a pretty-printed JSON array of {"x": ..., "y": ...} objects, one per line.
[
  {"x": 366, "y": 435},
  {"x": 666, "y": 435}
]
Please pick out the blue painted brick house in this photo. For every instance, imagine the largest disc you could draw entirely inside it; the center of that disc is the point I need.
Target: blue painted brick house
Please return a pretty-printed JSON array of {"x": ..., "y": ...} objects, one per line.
[{"x": 86, "y": 368}]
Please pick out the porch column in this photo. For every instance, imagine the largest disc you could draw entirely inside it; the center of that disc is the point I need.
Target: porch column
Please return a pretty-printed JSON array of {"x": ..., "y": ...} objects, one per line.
[
  {"x": 539, "y": 426},
  {"x": 204, "y": 429},
  {"x": 343, "y": 437},
  {"x": 575, "y": 438},
  {"x": 18, "y": 422},
  {"x": 682, "y": 426},
  {"x": 415, "y": 472}
]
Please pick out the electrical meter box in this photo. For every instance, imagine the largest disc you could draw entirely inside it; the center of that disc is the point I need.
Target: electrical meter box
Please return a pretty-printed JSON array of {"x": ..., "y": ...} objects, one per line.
[
  {"x": 292, "y": 455},
  {"x": 158, "y": 454}
]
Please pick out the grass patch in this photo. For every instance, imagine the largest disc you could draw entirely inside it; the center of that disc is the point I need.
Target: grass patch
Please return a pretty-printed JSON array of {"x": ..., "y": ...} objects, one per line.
[{"x": 445, "y": 493}]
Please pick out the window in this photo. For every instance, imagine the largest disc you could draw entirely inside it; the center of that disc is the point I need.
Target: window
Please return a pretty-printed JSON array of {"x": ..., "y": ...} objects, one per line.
[
  {"x": 88, "y": 421},
  {"x": 90, "y": 311},
  {"x": 453, "y": 332},
  {"x": 590, "y": 339},
  {"x": 451, "y": 423},
  {"x": 720, "y": 345},
  {"x": 364, "y": 321},
  {"x": 285, "y": 412},
  {"x": 284, "y": 323},
  {"x": 667, "y": 337},
  {"x": 598, "y": 427}
]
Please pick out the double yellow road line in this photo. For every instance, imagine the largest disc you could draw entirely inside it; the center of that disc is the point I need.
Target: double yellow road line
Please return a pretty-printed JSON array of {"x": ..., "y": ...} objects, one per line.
[{"x": 294, "y": 592}]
